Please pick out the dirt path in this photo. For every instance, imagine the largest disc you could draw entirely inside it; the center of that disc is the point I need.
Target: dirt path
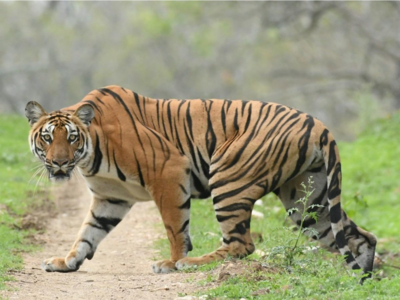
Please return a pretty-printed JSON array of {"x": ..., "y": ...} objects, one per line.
[{"x": 120, "y": 269}]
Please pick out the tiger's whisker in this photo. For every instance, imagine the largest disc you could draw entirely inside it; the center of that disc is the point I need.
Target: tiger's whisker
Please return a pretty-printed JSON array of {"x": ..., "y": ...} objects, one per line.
[{"x": 35, "y": 174}]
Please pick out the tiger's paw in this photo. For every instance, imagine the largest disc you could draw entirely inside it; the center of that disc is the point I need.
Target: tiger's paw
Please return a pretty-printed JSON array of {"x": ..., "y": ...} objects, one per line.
[
  {"x": 190, "y": 262},
  {"x": 57, "y": 264},
  {"x": 164, "y": 266}
]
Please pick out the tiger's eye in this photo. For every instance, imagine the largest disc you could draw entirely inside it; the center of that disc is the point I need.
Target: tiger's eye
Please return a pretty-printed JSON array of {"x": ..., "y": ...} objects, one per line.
[
  {"x": 47, "y": 138},
  {"x": 72, "y": 137}
]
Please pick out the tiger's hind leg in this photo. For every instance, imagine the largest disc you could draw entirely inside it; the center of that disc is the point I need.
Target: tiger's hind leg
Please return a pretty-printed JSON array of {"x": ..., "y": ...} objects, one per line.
[
  {"x": 233, "y": 211},
  {"x": 361, "y": 243}
]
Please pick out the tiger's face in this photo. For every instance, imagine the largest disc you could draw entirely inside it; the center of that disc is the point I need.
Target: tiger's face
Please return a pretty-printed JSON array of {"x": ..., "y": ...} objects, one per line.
[{"x": 61, "y": 140}]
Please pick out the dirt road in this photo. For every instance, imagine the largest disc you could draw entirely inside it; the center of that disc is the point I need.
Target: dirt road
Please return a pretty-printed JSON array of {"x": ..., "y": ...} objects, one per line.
[{"x": 120, "y": 269}]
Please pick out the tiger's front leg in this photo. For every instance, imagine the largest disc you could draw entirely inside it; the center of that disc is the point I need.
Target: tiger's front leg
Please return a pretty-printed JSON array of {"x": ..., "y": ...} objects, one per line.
[
  {"x": 103, "y": 216},
  {"x": 172, "y": 197}
]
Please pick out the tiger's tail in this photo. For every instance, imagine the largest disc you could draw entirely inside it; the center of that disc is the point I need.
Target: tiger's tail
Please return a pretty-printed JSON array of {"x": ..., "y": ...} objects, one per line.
[{"x": 334, "y": 178}]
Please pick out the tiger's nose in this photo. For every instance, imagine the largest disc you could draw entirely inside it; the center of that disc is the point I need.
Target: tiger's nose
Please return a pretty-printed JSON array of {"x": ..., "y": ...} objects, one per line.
[{"x": 60, "y": 162}]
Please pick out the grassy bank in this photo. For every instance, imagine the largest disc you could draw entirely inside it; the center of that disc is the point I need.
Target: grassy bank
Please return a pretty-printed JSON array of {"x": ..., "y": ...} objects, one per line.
[
  {"x": 17, "y": 195},
  {"x": 371, "y": 196}
]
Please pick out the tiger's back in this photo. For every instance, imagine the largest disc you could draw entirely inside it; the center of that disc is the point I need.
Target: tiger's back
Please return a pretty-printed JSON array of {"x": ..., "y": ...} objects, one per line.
[{"x": 202, "y": 130}]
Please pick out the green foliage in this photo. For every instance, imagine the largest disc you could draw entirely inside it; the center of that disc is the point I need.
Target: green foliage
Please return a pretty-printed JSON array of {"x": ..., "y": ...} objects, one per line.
[
  {"x": 290, "y": 252},
  {"x": 15, "y": 172},
  {"x": 371, "y": 180},
  {"x": 319, "y": 279}
]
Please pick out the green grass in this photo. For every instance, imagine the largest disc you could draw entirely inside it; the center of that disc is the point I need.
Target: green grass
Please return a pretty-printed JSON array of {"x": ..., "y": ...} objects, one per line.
[
  {"x": 371, "y": 180},
  {"x": 371, "y": 197},
  {"x": 17, "y": 195}
]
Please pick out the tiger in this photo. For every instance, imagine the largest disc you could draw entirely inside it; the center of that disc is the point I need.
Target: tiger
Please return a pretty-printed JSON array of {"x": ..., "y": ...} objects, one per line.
[{"x": 131, "y": 148}]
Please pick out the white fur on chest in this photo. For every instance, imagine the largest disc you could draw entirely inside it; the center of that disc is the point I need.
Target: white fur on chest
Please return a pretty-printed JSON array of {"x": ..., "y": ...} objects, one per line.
[{"x": 111, "y": 188}]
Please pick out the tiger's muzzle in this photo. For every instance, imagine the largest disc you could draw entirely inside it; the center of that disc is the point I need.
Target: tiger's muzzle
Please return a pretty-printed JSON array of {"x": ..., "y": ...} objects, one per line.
[{"x": 60, "y": 170}]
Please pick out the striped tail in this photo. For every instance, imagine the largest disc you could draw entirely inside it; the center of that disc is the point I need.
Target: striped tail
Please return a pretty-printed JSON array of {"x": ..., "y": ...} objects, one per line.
[{"x": 334, "y": 173}]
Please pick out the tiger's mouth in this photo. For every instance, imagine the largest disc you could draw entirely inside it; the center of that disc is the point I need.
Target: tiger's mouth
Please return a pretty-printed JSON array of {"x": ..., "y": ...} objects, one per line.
[{"x": 59, "y": 175}]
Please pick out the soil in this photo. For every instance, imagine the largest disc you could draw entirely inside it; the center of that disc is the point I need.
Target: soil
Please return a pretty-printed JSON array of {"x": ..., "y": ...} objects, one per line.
[{"x": 121, "y": 267}]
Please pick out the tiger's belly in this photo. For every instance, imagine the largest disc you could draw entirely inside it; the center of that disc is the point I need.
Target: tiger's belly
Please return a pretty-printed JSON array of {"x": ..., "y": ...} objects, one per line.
[{"x": 108, "y": 188}]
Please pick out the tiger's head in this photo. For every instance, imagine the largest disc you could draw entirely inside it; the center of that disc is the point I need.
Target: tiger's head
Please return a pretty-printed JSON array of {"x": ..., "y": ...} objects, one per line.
[{"x": 60, "y": 139}]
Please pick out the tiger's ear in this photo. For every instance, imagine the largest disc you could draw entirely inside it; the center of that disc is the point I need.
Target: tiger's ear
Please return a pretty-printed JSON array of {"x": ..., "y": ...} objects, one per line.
[
  {"x": 34, "y": 111},
  {"x": 85, "y": 113}
]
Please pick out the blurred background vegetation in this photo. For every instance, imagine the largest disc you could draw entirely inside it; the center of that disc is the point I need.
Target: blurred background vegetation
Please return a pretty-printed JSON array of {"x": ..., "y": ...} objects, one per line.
[{"x": 339, "y": 61}]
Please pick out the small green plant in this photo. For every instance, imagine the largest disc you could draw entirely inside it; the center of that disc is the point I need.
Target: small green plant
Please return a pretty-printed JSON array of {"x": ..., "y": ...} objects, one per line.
[{"x": 291, "y": 249}]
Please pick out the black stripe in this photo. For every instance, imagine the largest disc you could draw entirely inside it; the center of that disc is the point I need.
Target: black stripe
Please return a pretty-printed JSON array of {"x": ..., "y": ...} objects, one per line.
[
  {"x": 191, "y": 149},
  {"x": 204, "y": 165},
  {"x": 98, "y": 156},
  {"x": 224, "y": 218},
  {"x": 240, "y": 228},
  {"x": 106, "y": 223},
  {"x": 325, "y": 233},
  {"x": 349, "y": 257},
  {"x": 178, "y": 140},
  {"x": 118, "y": 202},
  {"x": 303, "y": 145},
  {"x": 211, "y": 139},
  {"x": 243, "y": 103},
  {"x": 235, "y": 206},
  {"x": 98, "y": 99},
  {"x": 179, "y": 107},
  {"x": 252, "y": 200},
  {"x": 266, "y": 115},
  {"x": 153, "y": 152},
  {"x": 121, "y": 175},
  {"x": 163, "y": 121},
  {"x": 95, "y": 226},
  {"x": 307, "y": 223},
  {"x": 283, "y": 145},
  {"x": 87, "y": 242},
  {"x": 186, "y": 205},
  {"x": 334, "y": 186},
  {"x": 340, "y": 239},
  {"x": 138, "y": 104},
  {"x": 169, "y": 115},
  {"x": 144, "y": 105},
  {"x": 204, "y": 193},
  {"x": 249, "y": 119},
  {"x": 158, "y": 113},
  {"x": 235, "y": 121},
  {"x": 323, "y": 141},
  {"x": 184, "y": 226},
  {"x": 332, "y": 157},
  {"x": 183, "y": 188},
  {"x": 139, "y": 173},
  {"x": 233, "y": 239},
  {"x": 234, "y": 192},
  {"x": 359, "y": 245},
  {"x": 335, "y": 213},
  {"x": 189, "y": 121},
  {"x": 223, "y": 121}
]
